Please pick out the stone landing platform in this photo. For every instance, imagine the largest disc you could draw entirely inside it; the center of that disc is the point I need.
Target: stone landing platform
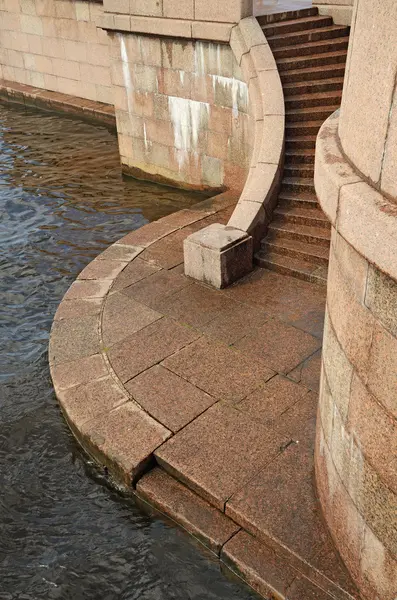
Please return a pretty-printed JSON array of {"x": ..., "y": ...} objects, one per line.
[{"x": 202, "y": 402}]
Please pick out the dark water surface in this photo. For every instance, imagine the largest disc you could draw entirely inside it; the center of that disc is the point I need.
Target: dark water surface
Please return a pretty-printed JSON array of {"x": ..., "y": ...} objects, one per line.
[{"x": 63, "y": 533}]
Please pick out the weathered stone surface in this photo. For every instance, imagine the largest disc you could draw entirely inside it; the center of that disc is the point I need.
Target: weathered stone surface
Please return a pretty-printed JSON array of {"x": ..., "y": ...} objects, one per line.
[
  {"x": 102, "y": 269},
  {"x": 91, "y": 400},
  {"x": 97, "y": 288},
  {"x": 148, "y": 234},
  {"x": 379, "y": 567},
  {"x": 120, "y": 252},
  {"x": 79, "y": 371},
  {"x": 216, "y": 453},
  {"x": 308, "y": 372},
  {"x": 135, "y": 271},
  {"x": 381, "y": 299},
  {"x": 235, "y": 321},
  {"x": 219, "y": 370},
  {"x": 195, "y": 305},
  {"x": 272, "y": 399},
  {"x": 294, "y": 520},
  {"x": 280, "y": 346},
  {"x": 382, "y": 369},
  {"x": 195, "y": 515},
  {"x": 168, "y": 398},
  {"x": 124, "y": 440},
  {"x": 148, "y": 347},
  {"x": 259, "y": 565},
  {"x": 303, "y": 589},
  {"x": 154, "y": 289},
  {"x": 79, "y": 307},
  {"x": 71, "y": 339},
  {"x": 123, "y": 316},
  {"x": 353, "y": 266}
]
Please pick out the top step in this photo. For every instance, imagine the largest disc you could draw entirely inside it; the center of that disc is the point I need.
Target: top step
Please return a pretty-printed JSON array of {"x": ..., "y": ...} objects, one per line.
[
  {"x": 287, "y": 16},
  {"x": 283, "y": 27}
]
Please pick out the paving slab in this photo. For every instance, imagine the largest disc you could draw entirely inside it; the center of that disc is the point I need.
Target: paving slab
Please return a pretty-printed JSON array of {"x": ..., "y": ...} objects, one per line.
[
  {"x": 272, "y": 399},
  {"x": 74, "y": 338},
  {"x": 123, "y": 316},
  {"x": 308, "y": 372},
  {"x": 219, "y": 370},
  {"x": 234, "y": 322},
  {"x": 266, "y": 572},
  {"x": 279, "y": 503},
  {"x": 76, "y": 372},
  {"x": 135, "y": 271},
  {"x": 206, "y": 523},
  {"x": 148, "y": 347},
  {"x": 123, "y": 440},
  {"x": 282, "y": 347},
  {"x": 154, "y": 289},
  {"x": 217, "y": 452},
  {"x": 168, "y": 398},
  {"x": 79, "y": 307}
]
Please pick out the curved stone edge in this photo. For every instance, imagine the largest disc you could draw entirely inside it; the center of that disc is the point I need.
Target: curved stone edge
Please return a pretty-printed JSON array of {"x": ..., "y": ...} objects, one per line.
[
  {"x": 254, "y": 56},
  {"x": 357, "y": 421},
  {"x": 100, "y": 412},
  {"x": 209, "y": 255},
  {"x": 32, "y": 97},
  {"x": 351, "y": 203}
]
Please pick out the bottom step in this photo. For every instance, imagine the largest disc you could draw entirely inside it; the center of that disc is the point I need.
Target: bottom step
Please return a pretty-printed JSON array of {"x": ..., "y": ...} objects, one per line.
[{"x": 286, "y": 265}]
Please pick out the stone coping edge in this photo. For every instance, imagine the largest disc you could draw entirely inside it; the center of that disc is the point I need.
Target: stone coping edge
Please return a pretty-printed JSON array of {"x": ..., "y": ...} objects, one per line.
[
  {"x": 93, "y": 400},
  {"x": 259, "y": 196},
  {"x": 352, "y": 204},
  {"x": 32, "y": 97}
]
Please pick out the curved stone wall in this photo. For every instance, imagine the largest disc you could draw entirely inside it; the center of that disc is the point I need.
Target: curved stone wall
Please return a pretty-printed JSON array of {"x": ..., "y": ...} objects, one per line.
[{"x": 356, "y": 449}]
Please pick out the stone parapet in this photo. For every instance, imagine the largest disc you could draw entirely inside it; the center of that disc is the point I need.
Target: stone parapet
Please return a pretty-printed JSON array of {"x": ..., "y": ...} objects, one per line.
[
  {"x": 259, "y": 195},
  {"x": 357, "y": 426},
  {"x": 340, "y": 10}
]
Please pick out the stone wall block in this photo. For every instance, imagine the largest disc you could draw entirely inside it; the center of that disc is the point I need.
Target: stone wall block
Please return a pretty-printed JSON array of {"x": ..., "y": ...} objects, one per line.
[
  {"x": 202, "y": 30},
  {"x": 175, "y": 9},
  {"x": 251, "y": 32},
  {"x": 338, "y": 370},
  {"x": 378, "y": 568},
  {"x": 263, "y": 58},
  {"x": 382, "y": 368},
  {"x": 231, "y": 11},
  {"x": 117, "y": 6},
  {"x": 381, "y": 298},
  {"x": 352, "y": 322},
  {"x": 150, "y": 8},
  {"x": 272, "y": 145},
  {"x": 388, "y": 177},
  {"x": 353, "y": 266},
  {"x": 237, "y": 44},
  {"x": 271, "y": 92}
]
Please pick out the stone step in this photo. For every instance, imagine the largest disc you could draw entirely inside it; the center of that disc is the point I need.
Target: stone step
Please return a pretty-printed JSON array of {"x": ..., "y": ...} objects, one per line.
[
  {"x": 303, "y": 128},
  {"x": 299, "y": 171},
  {"x": 287, "y": 15},
  {"x": 298, "y": 184},
  {"x": 302, "y": 142},
  {"x": 313, "y": 73},
  {"x": 301, "y": 199},
  {"x": 169, "y": 496},
  {"x": 307, "y": 36},
  {"x": 313, "y": 48},
  {"x": 314, "y": 217},
  {"x": 293, "y": 231},
  {"x": 318, "y": 255},
  {"x": 299, "y": 63},
  {"x": 312, "y": 100},
  {"x": 318, "y": 113},
  {"x": 300, "y": 157},
  {"x": 293, "y": 267},
  {"x": 313, "y": 87},
  {"x": 292, "y": 25}
]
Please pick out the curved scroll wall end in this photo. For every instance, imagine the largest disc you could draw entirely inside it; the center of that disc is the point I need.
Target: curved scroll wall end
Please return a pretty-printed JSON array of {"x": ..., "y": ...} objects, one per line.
[
  {"x": 221, "y": 255},
  {"x": 356, "y": 445},
  {"x": 266, "y": 98}
]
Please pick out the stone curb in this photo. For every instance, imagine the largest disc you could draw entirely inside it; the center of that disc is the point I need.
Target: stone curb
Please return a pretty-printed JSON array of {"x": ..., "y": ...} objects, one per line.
[{"x": 32, "y": 97}]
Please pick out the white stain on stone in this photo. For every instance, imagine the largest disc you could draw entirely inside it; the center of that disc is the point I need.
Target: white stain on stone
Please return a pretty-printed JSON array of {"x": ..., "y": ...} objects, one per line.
[
  {"x": 126, "y": 74},
  {"x": 145, "y": 139},
  {"x": 187, "y": 118},
  {"x": 199, "y": 58},
  {"x": 238, "y": 91}
]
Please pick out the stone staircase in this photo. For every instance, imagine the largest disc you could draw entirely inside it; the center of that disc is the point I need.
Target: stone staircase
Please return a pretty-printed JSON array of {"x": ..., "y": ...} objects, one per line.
[{"x": 310, "y": 52}]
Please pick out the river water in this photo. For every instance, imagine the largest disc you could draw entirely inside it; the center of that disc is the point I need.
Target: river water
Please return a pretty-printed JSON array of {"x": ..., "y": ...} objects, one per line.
[{"x": 63, "y": 533}]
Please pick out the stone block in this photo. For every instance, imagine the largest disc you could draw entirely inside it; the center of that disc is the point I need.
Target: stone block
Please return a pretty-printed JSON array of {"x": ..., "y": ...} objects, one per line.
[
  {"x": 255, "y": 97},
  {"x": 150, "y": 8},
  {"x": 359, "y": 205},
  {"x": 77, "y": 372},
  {"x": 250, "y": 217},
  {"x": 271, "y": 92},
  {"x": 237, "y": 44},
  {"x": 122, "y": 22},
  {"x": 212, "y": 171},
  {"x": 353, "y": 266},
  {"x": 382, "y": 368},
  {"x": 150, "y": 49},
  {"x": 388, "y": 177},
  {"x": 378, "y": 568},
  {"x": 117, "y": 6},
  {"x": 175, "y": 9},
  {"x": 251, "y": 32},
  {"x": 203, "y": 521},
  {"x": 82, "y": 10},
  {"x": 272, "y": 146},
  {"x": 326, "y": 408},
  {"x": 338, "y": 370},
  {"x": 72, "y": 339},
  {"x": 219, "y": 32},
  {"x": 218, "y": 255},
  {"x": 263, "y": 58},
  {"x": 332, "y": 171},
  {"x": 154, "y": 25},
  {"x": 261, "y": 184},
  {"x": 31, "y": 24},
  {"x": 229, "y": 11},
  {"x": 381, "y": 298}
]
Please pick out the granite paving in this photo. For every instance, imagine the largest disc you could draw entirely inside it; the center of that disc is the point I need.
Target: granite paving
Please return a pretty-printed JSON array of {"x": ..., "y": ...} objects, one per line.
[{"x": 204, "y": 399}]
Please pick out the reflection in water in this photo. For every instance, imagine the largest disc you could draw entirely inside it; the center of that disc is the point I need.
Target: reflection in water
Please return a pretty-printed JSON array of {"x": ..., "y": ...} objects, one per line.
[{"x": 62, "y": 534}]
